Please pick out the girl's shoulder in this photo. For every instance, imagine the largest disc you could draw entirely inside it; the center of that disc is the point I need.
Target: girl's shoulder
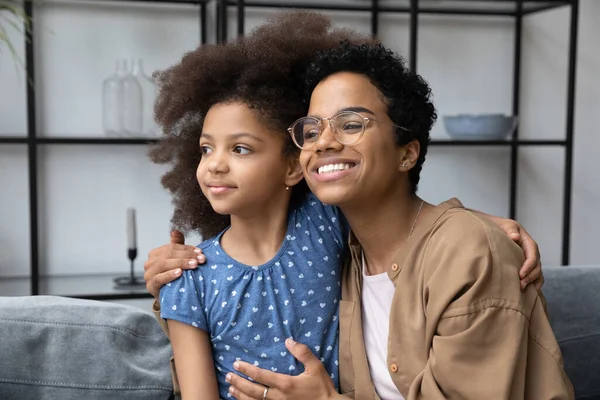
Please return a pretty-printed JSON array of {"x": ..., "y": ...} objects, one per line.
[
  {"x": 311, "y": 205},
  {"x": 313, "y": 215}
]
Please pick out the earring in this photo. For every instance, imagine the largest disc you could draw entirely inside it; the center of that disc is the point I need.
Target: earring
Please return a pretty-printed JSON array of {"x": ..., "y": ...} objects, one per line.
[
  {"x": 287, "y": 188},
  {"x": 404, "y": 164}
]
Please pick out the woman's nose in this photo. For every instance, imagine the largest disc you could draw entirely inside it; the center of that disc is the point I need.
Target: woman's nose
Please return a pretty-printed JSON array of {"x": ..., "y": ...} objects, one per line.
[{"x": 327, "y": 139}]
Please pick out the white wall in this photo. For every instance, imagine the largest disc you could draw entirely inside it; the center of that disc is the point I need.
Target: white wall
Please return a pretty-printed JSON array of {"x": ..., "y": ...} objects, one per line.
[{"x": 84, "y": 190}]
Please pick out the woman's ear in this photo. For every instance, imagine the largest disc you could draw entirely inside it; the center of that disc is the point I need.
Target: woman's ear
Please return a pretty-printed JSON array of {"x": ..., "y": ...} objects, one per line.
[
  {"x": 294, "y": 173},
  {"x": 409, "y": 156}
]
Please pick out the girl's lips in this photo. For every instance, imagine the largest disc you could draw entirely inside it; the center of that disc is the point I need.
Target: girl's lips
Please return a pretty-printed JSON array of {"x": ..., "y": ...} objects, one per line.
[{"x": 219, "y": 189}]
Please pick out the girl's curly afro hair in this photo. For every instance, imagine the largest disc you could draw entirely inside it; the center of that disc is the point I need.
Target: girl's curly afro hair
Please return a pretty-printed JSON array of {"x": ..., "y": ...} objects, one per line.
[
  {"x": 262, "y": 70},
  {"x": 406, "y": 94}
]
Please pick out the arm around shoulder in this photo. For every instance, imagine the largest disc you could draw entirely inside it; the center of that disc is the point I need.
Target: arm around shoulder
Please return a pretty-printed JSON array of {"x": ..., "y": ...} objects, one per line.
[{"x": 161, "y": 322}]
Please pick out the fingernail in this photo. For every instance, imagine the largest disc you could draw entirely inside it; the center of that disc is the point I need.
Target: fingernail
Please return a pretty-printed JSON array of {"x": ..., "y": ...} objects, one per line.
[
  {"x": 228, "y": 377},
  {"x": 236, "y": 365},
  {"x": 197, "y": 250},
  {"x": 177, "y": 272},
  {"x": 231, "y": 389},
  {"x": 291, "y": 341},
  {"x": 200, "y": 258},
  {"x": 192, "y": 262}
]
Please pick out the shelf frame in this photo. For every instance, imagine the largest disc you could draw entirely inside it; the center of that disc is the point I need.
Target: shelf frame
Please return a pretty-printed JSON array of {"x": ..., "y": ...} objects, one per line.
[
  {"x": 518, "y": 10},
  {"x": 414, "y": 8},
  {"x": 33, "y": 140},
  {"x": 469, "y": 9}
]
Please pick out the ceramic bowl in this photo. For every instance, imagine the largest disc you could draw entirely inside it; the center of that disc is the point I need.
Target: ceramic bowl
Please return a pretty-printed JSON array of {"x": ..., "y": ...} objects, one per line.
[{"x": 479, "y": 126}]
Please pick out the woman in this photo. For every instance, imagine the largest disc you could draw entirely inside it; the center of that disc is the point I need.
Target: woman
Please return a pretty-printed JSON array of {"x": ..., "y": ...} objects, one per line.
[{"x": 430, "y": 305}]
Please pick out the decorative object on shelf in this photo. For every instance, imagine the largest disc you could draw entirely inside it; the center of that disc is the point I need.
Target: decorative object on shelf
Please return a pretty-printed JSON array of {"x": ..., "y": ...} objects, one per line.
[
  {"x": 149, "y": 91},
  {"x": 122, "y": 103},
  {"x": 111, "y": 102},
  {"x": 131, "y": 281},
  {"x": 480, "y": 126}
]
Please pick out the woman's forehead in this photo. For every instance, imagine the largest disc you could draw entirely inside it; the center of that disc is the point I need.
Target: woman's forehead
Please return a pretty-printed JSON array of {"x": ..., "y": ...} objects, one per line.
[{"x": 345, "y": 90}]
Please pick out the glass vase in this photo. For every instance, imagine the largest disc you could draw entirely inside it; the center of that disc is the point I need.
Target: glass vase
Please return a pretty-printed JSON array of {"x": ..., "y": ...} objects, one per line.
[
  {"x": 149, "y": 91},
  {"x": 131, "y": 105},
  {"x": 112, "y": 94}
]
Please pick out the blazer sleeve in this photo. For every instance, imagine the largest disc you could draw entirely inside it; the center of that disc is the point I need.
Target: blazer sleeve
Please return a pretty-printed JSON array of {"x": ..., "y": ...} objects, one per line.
[{"x": 488, "y": 339}]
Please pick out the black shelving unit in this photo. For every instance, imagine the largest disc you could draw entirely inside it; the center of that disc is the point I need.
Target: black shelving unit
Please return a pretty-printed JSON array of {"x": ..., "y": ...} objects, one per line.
[
  {"x": 98, "y": 287},
  {"x": 517, "y": 10}
]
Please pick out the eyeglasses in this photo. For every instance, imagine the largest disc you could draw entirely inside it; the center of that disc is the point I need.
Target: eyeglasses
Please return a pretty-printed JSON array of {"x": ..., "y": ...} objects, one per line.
[{"x": 348, "y": 128}]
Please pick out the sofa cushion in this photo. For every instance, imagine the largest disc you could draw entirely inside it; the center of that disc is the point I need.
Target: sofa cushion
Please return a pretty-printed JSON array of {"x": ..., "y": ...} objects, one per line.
[
  {"x": 69, "y": 349},
  {"x": 573, "y": 299}
]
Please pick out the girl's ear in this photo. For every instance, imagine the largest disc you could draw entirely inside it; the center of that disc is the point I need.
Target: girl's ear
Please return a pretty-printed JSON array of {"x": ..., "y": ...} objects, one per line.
[{"x": 294, "y": 173}]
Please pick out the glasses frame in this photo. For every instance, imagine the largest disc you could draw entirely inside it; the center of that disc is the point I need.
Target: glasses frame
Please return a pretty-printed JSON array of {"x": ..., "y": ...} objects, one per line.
[{"x": 320, "y": 123}]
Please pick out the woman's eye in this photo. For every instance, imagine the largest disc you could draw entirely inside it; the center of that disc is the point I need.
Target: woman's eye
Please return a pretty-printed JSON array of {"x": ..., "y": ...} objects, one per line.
[
  {"x": 205, "y": 150},
  {"x": 241, "y": 150},
  {"x": 311, "y": 135},
  {"x": 352, "y": 126}
]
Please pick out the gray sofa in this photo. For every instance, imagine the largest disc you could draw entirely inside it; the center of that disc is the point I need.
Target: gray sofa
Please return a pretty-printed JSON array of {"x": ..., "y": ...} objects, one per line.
[
  {"x": 68, "y": 358},
  {"x": 573, "y": 297}
]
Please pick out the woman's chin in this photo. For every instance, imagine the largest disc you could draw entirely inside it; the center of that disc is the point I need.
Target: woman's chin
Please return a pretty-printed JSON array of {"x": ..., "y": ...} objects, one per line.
[{"x": 333, "y": 196}]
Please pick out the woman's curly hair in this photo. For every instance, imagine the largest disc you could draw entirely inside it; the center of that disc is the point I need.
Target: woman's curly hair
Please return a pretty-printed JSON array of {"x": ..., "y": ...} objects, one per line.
[
  {"x": 406, "y": 94},
  {"x": 262, "y": 70}
]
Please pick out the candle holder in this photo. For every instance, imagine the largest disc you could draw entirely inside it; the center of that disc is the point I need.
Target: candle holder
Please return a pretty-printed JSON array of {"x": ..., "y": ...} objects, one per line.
[{"x": 131, "y": 281}]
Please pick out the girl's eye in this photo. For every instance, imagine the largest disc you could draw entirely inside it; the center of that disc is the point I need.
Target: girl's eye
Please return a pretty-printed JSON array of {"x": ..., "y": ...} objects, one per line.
[
  {"x": 241, "y": 150},
  {"x": 205, "y": 150}
]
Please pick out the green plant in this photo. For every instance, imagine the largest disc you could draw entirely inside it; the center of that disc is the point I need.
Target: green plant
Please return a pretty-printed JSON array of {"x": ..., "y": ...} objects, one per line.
[{"x": 12, "y": 14}]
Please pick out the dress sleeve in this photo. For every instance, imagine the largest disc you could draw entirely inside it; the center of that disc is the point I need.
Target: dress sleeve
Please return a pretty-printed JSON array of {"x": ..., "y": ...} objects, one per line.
[
  {"x": 328, "y": 217},
  {"x": 181, "y": 300}
]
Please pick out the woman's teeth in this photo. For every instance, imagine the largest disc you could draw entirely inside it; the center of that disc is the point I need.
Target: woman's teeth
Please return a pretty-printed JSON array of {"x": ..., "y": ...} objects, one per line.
[{"x": 329, "y": 168}]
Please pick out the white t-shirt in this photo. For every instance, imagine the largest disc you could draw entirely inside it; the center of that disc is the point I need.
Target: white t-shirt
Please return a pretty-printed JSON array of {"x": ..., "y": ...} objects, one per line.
[{"x": 377, "y": 294}]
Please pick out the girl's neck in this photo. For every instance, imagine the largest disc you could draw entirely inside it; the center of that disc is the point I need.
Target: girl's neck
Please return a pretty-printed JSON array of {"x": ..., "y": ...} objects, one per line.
[
  {"x": 256, "y": 237},
  {"x": 384, "y": 229}
]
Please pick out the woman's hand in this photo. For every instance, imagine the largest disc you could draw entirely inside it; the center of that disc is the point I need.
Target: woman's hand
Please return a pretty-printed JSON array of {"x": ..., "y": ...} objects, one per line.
[
  {"x": 314, "y": 383},
  {"x": 165, "y": 263},
  {"x": 531, "y": 271}
]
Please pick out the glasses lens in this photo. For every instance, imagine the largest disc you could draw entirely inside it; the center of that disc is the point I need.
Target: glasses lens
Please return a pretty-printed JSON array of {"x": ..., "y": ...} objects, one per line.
[
  {"x": 348, "y": 127},
  {"x": 306, "y": 131}
]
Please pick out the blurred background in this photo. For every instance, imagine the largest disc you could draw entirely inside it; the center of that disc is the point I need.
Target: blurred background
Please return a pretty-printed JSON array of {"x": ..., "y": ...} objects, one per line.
[{"x": 66, "y": 182}]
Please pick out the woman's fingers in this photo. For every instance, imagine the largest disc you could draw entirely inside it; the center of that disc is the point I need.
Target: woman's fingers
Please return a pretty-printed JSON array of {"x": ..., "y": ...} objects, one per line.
[
  {"x": 263, "y": 376},
  {"x": 157, "y": 281},
  {"x": 243, "y": 389},
  {"x": 165, "y": 263},
  {"x": 177, "y": 237},
  {"x": 303, "y": 354},
  {"x": 539, "y": 282}
]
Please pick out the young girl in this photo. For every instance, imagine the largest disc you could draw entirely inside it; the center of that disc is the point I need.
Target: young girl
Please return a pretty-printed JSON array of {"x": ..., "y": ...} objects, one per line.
[{"x": 274, "y": 253}]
